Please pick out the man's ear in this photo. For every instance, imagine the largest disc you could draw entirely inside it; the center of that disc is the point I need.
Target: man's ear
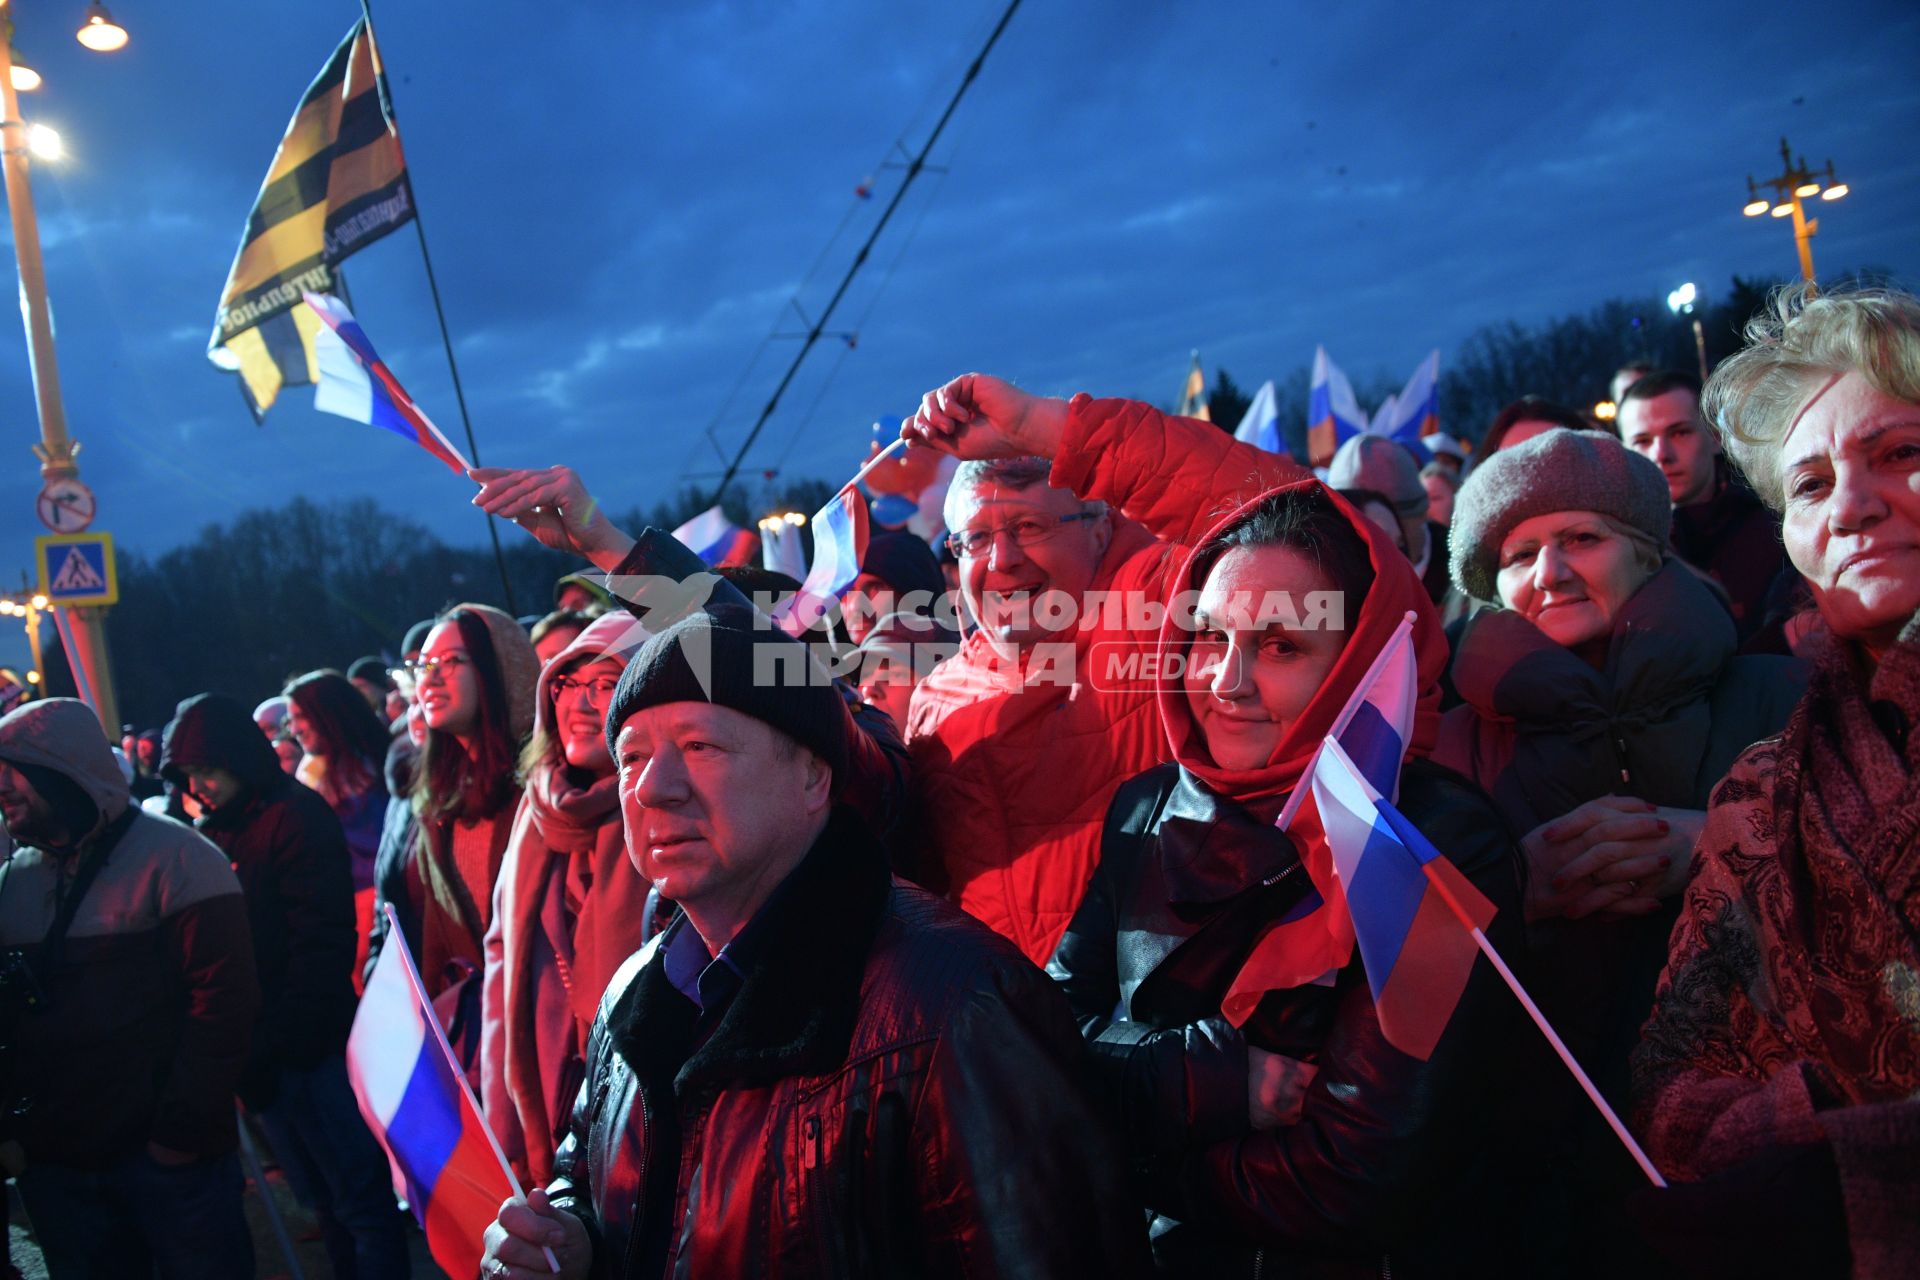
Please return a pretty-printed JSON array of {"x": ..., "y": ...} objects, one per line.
[
  {"x": 1102, "y": 532},
  {"x": 818, "y": 778}
]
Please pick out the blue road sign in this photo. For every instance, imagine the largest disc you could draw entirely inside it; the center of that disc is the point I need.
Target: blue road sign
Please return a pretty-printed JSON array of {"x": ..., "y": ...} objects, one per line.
[{"x": 77, "y": 568}]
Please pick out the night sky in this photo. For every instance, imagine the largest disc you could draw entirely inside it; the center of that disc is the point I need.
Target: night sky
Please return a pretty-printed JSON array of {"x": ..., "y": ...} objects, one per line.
[{"x": 620, "y": 199}]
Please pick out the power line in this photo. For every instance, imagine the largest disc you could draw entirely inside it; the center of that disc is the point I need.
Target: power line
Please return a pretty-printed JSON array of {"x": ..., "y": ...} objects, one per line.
[{"x": 818, "y": 326}]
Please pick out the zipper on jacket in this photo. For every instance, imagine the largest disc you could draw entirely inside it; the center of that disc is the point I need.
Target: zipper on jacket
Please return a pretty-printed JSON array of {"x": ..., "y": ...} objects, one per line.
[
  {"x": 810, "y": 1156},
  {"x": 1269, "y": 882},
  {"x": 1620, "y": 751},
  {"x": 1259, "y": 1263},
  {"x": 637, "y": 1229}
]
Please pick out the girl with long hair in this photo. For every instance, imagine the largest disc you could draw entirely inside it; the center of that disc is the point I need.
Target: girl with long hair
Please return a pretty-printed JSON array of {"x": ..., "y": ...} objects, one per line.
[{"x": 476, "y": 692}]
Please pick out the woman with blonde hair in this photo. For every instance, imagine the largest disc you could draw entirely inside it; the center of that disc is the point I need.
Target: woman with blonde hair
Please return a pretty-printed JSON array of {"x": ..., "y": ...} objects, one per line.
[{"x": 1780, "y": 1071}]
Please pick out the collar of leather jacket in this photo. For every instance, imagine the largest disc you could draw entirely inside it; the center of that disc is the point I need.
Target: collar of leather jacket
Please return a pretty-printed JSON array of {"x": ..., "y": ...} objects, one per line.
[
  {"x": 795, "y": 1010},
  {"x": 1212, "y": 848}
]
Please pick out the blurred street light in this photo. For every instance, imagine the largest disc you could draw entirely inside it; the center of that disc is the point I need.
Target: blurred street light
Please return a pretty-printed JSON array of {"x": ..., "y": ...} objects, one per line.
[
  {"x": 1795, "y": 184},
  {"x": 24, "y": 77},
  {"x": 1680, "y": 302},
  {"x": 44, "y": 142},
  {"x": 100, "y": 32}
]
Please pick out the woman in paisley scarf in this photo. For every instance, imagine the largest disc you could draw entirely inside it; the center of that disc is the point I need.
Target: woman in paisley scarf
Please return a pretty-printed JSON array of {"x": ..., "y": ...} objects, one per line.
[{"x": 1780, "y": 1072}]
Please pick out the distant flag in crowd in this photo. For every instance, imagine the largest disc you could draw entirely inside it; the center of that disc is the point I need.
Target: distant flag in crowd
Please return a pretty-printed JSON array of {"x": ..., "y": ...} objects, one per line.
[
  {"x": 1316, "y": 938},
  {"x": 839, "y": 544},
  {"x": 783, "y": 546},
  {"x": 337, "y": 183},
  {"x": 1193, "y": 396},
  {"x": 416, "y": 1101},
  {"x": 716, "y": 539},
  {"x": 354, "y": 382},
  {"x": 1416, "y": 952},
  {"x": 1260, "y": 427},
  {"x": 1333, "y": 415},
  {"x": 1414, "y": 414}
]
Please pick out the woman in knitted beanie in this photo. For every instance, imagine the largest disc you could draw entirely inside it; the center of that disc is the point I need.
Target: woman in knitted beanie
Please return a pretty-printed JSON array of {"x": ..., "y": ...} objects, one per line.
[
  {"x": 1602, "y": 702},
  {"x": 476, "y": 692}
]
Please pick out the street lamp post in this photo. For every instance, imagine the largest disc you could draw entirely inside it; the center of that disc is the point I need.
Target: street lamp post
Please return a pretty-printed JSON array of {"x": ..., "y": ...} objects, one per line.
[
  {"x": 1681, "y": 302},
  {"x": 56, "y": 449},
  {"x": 1795, "y": 184}
]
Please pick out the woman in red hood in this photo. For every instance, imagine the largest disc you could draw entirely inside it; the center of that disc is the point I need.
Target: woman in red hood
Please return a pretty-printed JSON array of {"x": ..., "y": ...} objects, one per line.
[{"x": 1299, "y": 1140}]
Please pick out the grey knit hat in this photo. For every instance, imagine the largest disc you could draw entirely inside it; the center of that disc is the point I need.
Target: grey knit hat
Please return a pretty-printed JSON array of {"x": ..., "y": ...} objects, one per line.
[
  {"x": 1560, "y": 470},
  {"x": 1385, "y": 466}
]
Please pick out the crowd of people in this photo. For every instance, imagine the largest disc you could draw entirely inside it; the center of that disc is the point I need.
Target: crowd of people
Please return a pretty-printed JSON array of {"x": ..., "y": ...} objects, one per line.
[{"x": 972, "y": 931}]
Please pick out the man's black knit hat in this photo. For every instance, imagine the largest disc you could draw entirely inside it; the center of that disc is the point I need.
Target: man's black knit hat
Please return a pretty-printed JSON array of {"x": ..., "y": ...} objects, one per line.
[{"x": 733, "y": 657}]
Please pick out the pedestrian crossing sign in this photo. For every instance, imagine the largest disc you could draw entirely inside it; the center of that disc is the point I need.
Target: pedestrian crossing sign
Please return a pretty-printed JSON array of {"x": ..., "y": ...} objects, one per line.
[{"x": 77, "y": 568}]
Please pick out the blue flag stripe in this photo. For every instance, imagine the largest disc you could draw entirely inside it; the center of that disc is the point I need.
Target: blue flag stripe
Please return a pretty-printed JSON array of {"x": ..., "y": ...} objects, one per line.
[
  {"x": 1418, "y": 845},
  {"x": 426, "y": 1126},
  {"x": 1383, "y": 898},
  {"x": 1374, "y": 746}
]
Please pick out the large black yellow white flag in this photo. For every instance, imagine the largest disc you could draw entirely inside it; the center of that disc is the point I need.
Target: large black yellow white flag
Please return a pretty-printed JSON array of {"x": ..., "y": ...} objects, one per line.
[{"x": 338, "y": 183}]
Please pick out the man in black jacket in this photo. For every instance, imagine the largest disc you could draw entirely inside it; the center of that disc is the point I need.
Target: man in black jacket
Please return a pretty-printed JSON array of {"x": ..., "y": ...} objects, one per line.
[
  {"x": 290, "y": 853},
  {"x": 817, "y": 1070}
]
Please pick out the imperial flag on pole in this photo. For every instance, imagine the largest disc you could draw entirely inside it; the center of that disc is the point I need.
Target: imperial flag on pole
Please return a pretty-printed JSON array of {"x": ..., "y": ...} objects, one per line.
[
  {"x": 337, "y": 183},
  {"x": 417, "y": 1104}
]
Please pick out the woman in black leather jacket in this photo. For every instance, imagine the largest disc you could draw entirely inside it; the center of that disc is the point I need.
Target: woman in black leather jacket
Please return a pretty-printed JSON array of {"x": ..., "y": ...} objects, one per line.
[{"x": 1301, "y": 1142}]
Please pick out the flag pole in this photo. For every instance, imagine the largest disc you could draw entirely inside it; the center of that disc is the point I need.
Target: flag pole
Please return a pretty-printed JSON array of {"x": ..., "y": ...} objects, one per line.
[
  {"x": 446, "y": 339},
  {"x": 878, "y": 458},
  {"x": 399, "y": 938},
  {"x": 1546, "y": 1029}
]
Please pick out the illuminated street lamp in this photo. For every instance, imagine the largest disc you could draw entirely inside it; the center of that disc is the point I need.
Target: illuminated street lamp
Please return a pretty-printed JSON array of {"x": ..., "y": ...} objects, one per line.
[
  {"x": 1680, "y": 302},
  {"x": 1795, "y": 184},
  {"x": 100, "y": 32},
  {"x": 56, "y": 448}
]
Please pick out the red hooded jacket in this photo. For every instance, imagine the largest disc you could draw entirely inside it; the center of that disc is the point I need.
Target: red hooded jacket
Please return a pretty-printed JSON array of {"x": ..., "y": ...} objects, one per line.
[{"x": 1014, "y": 777}]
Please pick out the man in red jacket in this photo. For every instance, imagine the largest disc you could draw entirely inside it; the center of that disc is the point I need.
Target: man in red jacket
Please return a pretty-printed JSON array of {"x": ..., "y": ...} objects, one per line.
[{"x": 1069, "y": 520}]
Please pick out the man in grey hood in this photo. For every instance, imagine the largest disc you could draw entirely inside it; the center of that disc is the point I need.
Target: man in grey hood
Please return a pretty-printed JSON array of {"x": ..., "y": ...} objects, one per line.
[{"x": 127, "y": 998}]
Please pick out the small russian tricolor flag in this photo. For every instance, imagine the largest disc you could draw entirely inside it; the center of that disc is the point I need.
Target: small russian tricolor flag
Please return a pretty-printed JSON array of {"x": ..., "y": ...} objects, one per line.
[
  {"x": 445, "y": 1161},
  {"x": 715, "y": 539},
  {"x": 839, "y": 544},
  {"x": 1416, "y": 952},
  {"x": 355, "y": 383}
]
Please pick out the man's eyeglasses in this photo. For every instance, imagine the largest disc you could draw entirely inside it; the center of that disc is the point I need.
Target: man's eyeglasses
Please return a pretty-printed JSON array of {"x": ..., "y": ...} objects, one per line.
[
  {"x": 1026, "y": 531},
  {"x": 601, "y": 687},
  {"x": 422, "y": 667}
]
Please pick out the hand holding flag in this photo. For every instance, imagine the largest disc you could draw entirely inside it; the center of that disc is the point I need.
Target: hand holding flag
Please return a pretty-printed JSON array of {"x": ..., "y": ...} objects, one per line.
[{"x": 416, "y": 1100}]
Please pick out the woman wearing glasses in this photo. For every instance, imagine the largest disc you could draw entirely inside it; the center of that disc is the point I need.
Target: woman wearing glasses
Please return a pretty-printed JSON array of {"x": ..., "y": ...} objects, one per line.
[
  {"x": 568, "y": 904},
  {"x": 476, "y": 681}
]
